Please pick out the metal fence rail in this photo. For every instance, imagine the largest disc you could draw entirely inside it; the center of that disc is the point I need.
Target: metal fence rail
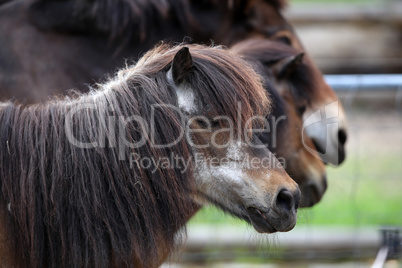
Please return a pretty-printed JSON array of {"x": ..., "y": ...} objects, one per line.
[{"x": 364, "y": 82}]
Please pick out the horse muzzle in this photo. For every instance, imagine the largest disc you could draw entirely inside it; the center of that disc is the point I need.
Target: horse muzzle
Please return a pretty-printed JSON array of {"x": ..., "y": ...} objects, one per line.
[{"x": 280, "y": 217}]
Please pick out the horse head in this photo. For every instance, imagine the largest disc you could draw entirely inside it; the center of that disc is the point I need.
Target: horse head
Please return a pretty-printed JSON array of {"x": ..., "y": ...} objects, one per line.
[
  {"x": 283, "y": 73},
  {"x": 324, "y": 118},
  {"x": 233, "y": 169}
]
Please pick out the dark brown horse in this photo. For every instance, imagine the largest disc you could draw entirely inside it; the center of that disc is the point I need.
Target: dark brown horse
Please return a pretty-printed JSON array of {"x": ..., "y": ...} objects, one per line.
[
  {"x": 76, "y": 42},
  {"x": 284, "y": 72},
  {"x": 108, "y": 178},
  {"x": 53, "y": 46},
  {"x": 324, "y": 119}
]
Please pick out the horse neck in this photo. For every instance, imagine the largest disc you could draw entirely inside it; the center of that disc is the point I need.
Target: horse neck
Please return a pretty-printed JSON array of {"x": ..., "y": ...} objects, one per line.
[{"x": 17, "y": 122}]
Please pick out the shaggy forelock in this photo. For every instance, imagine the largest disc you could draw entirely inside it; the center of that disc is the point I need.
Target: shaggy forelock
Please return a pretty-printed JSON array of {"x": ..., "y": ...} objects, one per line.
[{"x": 220, "y": 79}]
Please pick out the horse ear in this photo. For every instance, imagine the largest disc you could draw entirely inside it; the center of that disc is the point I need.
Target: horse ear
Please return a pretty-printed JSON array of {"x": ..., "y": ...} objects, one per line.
[
  {"x": 284, "y": 67},
  {"x": 181, "y": 65}
]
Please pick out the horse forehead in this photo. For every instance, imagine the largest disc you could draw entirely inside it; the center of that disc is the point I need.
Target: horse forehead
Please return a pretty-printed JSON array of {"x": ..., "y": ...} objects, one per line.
[{"x": 268, "y": 16}]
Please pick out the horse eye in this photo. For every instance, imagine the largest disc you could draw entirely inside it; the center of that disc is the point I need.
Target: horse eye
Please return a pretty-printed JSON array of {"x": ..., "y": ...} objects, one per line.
[
  {"x": 301, "y": 110},
  {"x": 215, "y": 123},
  {"x": 204, "y": 123},
  {"x": 286, "y": 40}
]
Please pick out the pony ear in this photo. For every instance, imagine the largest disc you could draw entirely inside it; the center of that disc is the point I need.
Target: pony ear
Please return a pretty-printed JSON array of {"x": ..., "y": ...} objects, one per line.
[
  {"x": 182, "y": 65},
  {"x": 284, "y": 67}
]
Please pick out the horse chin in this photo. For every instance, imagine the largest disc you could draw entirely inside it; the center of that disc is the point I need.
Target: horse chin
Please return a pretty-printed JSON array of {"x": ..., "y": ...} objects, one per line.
[
  {"x": 259, "y": 221},
  {"x": 271, "y": 221},
  {"x": 264, "y": 220}
]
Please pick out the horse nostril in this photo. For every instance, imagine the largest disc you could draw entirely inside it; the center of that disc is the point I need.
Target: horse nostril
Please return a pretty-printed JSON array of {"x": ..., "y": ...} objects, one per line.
[
  {"x": 342, "y": 136},
  {"x": 286, "y": 200}
]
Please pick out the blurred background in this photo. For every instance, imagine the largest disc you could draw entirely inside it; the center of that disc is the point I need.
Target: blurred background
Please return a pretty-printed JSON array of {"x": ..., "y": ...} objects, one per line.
[{"x": 358, "y": 46}]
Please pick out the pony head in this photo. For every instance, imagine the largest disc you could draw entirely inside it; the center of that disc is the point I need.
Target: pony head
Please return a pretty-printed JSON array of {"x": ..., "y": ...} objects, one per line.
[
  {"x": 285, "y": 74},
  {"x": 223, "y": 99}
]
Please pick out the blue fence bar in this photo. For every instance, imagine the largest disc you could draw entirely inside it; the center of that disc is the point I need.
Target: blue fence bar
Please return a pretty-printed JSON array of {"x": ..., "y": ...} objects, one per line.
[{"x": 364, "y": 82}]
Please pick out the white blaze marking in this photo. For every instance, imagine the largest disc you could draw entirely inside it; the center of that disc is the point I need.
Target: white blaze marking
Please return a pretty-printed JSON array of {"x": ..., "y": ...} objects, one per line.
[
  {"x": 230, "y": 170},
  {"x": 234, "y": 151}
]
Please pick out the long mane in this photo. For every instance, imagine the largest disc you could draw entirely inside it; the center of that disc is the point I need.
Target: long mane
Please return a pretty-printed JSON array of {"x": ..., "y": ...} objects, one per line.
[
  {"x": 76, "y": 207},
  {"x": 125, "y": 19}
]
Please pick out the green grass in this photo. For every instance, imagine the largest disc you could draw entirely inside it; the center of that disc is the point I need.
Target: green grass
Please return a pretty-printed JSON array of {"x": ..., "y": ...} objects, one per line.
[{"x": 365, "y": 190}]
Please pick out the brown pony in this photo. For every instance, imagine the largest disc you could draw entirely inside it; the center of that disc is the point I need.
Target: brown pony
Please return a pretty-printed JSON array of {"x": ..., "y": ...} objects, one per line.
[
  {"x": 324, "y": 119},
  {"x": 85, "y": 182},
  {"x": 284, "y": 72}
]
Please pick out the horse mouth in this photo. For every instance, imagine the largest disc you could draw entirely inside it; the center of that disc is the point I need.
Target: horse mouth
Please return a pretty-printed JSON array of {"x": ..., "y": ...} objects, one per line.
[{"x": 260, "y": 221}]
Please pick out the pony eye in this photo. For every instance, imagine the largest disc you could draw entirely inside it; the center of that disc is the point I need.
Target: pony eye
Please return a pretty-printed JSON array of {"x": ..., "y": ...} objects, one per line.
[
  {"x": 204, "y": 123},
  {"x": 285, "y": 40},
  {"x": 215, "y": 123}
]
